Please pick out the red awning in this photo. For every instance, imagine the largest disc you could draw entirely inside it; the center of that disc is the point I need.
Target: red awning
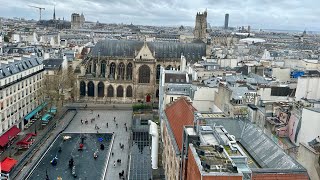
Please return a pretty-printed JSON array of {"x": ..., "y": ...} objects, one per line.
[
  {"x": 9, "y": 135},
  {"x": 26, "y": 139},
  {"x": 7, "y": 164}
]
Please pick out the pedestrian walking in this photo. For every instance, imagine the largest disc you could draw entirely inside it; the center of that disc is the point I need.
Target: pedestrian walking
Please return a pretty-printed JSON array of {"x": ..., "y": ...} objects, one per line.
[
  {"x": 114, "y": 163},
  {"x": 107, "y": 125},
  {"x": 126, "y": 129},
  {"x": 125, "y": 124},
  {"x": 81, "y": 121},
  {"x": 114, "y": 119},
  {"x": 98, "y": 115},
  {"x": 117, "y": 125},
  {"x": 112, "y": 154}
]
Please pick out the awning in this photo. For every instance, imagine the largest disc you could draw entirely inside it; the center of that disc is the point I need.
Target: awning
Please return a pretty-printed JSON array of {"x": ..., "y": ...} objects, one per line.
[
  {"x": 35, "y": 111},
  {"x": 9, "y": 135},
  {"x": 25, "y": 140},
  {"x": 7, "y": 164},
  {"x": 46, "y": 117},
  {"x": 52, "y": 110}
]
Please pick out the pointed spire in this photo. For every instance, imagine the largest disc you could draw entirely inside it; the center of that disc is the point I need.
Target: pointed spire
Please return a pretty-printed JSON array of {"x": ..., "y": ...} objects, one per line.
[{"x": 54, "y": 12}]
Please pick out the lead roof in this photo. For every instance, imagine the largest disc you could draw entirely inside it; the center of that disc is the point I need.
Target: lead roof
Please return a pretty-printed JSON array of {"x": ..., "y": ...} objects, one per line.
[{"x": 161, "y": 50}]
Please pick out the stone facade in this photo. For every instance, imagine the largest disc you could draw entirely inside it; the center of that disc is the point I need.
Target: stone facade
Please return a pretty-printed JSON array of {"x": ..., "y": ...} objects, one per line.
[
  {"x": 200, "y": 29},
  {"x": 129, "y": 73}
]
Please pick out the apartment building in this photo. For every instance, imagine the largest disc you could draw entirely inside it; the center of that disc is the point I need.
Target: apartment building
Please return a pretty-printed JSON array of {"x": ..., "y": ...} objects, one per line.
[{"x": 20, "y": 91}]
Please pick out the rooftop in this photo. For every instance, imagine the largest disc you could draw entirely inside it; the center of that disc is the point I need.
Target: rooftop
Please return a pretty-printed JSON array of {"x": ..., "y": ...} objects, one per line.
[{"x": 11, "y": 67}]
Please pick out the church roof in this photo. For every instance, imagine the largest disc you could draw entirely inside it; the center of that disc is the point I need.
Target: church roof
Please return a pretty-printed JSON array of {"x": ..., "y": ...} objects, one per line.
[{"x": 162, "y": 50}]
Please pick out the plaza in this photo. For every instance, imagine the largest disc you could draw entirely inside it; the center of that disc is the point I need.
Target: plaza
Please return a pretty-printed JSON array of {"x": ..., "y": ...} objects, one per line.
[{"x": 113, "y": 126}]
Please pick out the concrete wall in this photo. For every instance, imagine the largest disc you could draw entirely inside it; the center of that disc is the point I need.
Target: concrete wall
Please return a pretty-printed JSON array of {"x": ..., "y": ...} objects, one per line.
[
  {"x": 281, "y": 74},
  {"x": 265, "y": 95},
  {"x": 228, "y": 62},
  {"x": 308, "y": 158},
  {"x": 310, "y": 124},
  {"x": 308, "y": 87},
  {"x": 204, "y": 98}
]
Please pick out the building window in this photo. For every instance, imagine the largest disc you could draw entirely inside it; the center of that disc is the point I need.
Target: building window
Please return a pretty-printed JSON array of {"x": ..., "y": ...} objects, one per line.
[
  {"x": 171, "y": 99},
  {"x": 112, "y": 70},
  {"x": 91, "y": 89},
  {"x": 121, "y": 71},
  {"x": 100, "y": 89},
  {"x": 129, "y": 91},
  {"x": 158, "y": 71},
  {"x": 103, "y": 69},
  {"x": 129, "y": 71},
  {"x": 119, "y": 91},
  {"x": 110, "y": 91},
  {"x": 144, "y": 74}
]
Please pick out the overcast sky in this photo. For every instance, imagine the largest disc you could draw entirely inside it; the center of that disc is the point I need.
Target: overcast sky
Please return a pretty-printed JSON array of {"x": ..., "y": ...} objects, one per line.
[{"x": 269, "y": 14}]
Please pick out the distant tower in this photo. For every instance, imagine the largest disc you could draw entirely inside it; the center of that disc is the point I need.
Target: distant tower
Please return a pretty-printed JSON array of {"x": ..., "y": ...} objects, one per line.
[
  {"x": 200, "y": 29},
  {"x": 82, "y": 20},
  {"x": 75, "y": 21},
  {"x": 54, "y": 13},
  {"x": 226, "y": 21}
]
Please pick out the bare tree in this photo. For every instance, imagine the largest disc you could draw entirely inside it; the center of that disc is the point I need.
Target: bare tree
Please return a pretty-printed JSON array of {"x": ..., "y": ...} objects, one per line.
[{"x": 58, "y": 85}]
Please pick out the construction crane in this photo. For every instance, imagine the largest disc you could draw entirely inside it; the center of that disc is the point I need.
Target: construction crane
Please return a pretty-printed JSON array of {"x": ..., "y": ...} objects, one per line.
[{"x": 40, "y": 9}]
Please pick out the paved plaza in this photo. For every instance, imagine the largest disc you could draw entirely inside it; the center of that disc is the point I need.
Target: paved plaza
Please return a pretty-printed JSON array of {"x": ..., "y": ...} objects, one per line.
[
  {"x": 99, "y": 121},
  {"x": 86, "y": 166}
]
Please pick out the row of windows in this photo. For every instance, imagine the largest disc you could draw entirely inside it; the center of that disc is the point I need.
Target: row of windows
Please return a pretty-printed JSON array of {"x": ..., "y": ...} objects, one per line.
[
  {"x": 21, "y": 95},
  {"x": 110, "y": 90},
  {"x": 21, "y": 85},
  {"x": 10, "y": 112}
]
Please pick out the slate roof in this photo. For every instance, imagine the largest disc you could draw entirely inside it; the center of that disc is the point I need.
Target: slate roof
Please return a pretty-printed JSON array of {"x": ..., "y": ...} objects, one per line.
[
  {"x": 263, "y": 150},
  {"x": 17, "y": 66},
  {"x": 162, "y": 50},
  {"x": 52, "y": 63},
  {"x": 180, "y": 113}
]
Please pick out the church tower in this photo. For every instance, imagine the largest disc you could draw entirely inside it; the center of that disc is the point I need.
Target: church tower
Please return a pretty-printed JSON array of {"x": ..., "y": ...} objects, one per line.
[
  {"x": 54, "y": 13},
  {"x": 200, "y": 29}
]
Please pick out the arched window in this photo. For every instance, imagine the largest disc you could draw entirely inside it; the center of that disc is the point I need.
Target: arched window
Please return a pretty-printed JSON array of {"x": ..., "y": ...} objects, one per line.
[
  {"x": 178, "y": 68},
  {"x": 82, "y": 88},
  {"x": 110, "y": 91},
  {"x": 112, "y": 70},
  {"x": 121, "y": 71},
  {"x": 90, "y": 89},
  {"x": 88, "y": 71},
  {"x": 129, "y": 91},
  {"x": 158, "y": 71},
  {"x": 100, "y": 89},
  {"x": 129, "y": 71},
  {"x": 94, "y": 71},
  {"x": 103, "y": 69},
  {"x": 119, "y": 91},
  {"x": 168, "y": 67},
  {"x": 144, "y": 74}
]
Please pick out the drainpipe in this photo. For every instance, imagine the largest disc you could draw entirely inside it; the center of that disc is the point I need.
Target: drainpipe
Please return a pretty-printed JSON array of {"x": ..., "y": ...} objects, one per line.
[{"x": 153, "y": 131}]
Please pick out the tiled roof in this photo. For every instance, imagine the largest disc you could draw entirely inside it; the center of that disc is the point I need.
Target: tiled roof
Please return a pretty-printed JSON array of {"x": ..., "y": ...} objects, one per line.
[{"x": 180, "y": 114}]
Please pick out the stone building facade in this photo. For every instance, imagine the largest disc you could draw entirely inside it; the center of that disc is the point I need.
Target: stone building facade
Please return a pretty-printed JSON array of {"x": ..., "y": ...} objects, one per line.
[{"x": 129, "y": 71}]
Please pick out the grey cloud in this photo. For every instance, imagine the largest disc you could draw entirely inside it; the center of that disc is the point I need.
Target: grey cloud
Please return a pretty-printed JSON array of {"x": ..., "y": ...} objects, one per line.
[{"x": 281, "y": 14}]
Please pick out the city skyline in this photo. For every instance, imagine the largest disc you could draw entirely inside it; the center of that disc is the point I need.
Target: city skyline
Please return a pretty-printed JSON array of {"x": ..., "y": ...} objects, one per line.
[{"x": 286, "y": 15}]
